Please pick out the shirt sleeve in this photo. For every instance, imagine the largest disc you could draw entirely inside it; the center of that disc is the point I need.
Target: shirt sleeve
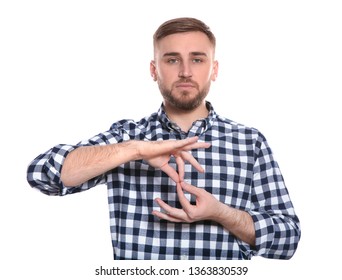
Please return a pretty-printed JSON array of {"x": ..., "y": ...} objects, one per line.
[
  {"x": 44, "y": 172},
  {"x": 277, "y": 227}
]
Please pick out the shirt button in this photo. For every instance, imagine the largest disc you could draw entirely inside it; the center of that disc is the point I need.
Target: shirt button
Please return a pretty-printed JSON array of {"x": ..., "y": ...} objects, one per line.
[{"x": 184, "y": 257}]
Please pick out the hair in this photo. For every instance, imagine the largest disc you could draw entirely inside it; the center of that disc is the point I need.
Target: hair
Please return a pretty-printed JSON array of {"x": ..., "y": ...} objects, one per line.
[{"x": 181, "y": 25}]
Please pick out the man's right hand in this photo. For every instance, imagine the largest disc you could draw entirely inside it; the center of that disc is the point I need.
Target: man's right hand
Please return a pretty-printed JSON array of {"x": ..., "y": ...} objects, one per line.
[
  {"x": 87, "y": 162},
  {"x": 158, "y": 154}
]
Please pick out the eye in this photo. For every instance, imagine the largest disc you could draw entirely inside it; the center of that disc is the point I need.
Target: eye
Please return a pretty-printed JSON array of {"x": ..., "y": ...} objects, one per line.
[
  {"x": 173, "y": 60},
  {"x": 197, "y": 60}
]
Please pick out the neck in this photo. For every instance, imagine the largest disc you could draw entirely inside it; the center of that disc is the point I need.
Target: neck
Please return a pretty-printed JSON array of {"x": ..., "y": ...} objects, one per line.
[{"x": 185, "y": 118}]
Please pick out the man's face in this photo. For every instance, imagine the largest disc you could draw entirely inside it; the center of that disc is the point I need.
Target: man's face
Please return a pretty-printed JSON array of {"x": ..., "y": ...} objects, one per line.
[{"x": 184, "y": 67}]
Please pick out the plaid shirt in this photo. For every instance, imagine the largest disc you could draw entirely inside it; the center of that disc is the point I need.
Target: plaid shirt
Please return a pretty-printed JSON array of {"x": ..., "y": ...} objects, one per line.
[{"x": 240, "y": 171}]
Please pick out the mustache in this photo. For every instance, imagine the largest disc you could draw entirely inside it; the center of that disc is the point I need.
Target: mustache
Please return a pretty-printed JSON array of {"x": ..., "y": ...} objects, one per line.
[{"x": 185, "y": 80}]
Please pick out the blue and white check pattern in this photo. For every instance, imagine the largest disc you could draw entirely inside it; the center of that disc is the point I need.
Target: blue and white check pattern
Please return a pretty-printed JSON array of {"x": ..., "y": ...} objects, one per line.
[{"x": 240, "y": 171}]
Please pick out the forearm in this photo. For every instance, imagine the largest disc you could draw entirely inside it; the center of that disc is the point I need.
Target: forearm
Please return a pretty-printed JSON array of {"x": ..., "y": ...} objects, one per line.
[
  {"x": 87, "y": 162},
  {"x": 237, "y": 222}
]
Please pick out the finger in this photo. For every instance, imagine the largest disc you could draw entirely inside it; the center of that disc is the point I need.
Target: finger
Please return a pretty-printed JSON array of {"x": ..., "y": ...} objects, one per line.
[
  {"x": 192, "y": 139},
  {"x": 169, "y": 146},
  {"x": 171, "y": 212},
  {"x": 185, "y": 142},
  {"x": 182, "y": 198},
  {"x": 165, "y": 216},
  {"x": 188, "y": 157},
  {"x": 196, "y": 145},
  {"x": 171, "y": 172},
  {"x": 190, "y": 188},
  {"x": 181, "y": 168},
  {"x": 166, "y": 207}
]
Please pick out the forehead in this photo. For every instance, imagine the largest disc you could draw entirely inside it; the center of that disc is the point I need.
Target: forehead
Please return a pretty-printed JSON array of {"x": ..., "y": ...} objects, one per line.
[{"x": 184, "y": 43}]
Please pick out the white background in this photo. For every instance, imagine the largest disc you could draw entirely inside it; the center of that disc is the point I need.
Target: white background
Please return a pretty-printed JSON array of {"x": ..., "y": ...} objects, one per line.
[{"x": 69, "y": 69}]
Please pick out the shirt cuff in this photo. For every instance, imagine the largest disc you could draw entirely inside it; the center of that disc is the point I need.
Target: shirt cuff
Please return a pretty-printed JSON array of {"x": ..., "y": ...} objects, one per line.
[
  {"x": 264, "y": 232},
  {"x": 53, "y": 168}
]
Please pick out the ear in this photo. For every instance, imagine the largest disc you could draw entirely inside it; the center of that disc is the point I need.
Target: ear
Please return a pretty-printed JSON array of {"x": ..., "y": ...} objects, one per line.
[
  {"x": 215, "y": 71},
  {"x": 153, "y": 70}
]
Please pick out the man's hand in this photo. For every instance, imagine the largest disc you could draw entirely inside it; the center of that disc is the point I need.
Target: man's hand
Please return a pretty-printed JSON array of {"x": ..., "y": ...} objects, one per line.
[
  {"x": 207, "y": 207},
  {"x": 87, "y": 162},
  {"x": 158, "y": 154}
]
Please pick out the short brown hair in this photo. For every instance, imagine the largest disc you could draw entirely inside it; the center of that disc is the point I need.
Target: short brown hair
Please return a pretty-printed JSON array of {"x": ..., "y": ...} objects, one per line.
[{"x": 180, "y": 25}]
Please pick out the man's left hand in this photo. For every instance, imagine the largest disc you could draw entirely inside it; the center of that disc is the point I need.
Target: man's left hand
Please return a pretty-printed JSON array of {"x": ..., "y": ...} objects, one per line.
[{"x": 207, "y": 206}]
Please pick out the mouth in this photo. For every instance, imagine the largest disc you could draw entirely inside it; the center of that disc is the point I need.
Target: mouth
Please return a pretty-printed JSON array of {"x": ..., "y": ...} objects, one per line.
[{"x": 185, "y": 85}]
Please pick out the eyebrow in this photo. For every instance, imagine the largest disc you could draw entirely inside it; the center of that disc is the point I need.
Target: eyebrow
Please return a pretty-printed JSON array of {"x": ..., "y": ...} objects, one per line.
[{"x": 178, "y": 54}]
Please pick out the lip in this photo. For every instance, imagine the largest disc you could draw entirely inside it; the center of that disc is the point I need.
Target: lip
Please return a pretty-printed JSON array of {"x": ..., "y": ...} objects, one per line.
[{"x": 185, "y": 85}]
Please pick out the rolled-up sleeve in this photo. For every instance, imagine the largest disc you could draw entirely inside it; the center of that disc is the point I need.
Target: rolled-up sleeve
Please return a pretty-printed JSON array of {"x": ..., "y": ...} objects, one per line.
[
  {"x": 44, "y": 172},
  {"x": 277, "y": 227}
]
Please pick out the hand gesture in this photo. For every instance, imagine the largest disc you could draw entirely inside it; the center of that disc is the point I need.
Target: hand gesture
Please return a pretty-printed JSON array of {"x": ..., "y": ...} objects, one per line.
[
  {"x": 207, "y": 206},
  {"x": 158, "y": 154}
]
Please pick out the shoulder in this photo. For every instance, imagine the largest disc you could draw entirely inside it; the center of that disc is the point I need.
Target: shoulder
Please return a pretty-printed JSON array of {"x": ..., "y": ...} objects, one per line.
[
  {"x": 231, "y": 127},
  {"x": 135, "y": 129},
  {"x": 242, "y": 137}
]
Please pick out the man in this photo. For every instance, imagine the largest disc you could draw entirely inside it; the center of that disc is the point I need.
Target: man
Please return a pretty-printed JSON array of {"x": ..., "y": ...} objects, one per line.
[{"x": 230, "y": 202}]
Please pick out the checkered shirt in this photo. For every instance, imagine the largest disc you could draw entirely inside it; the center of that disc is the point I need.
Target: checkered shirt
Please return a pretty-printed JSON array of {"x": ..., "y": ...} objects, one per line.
[{"x": 240, "y": 171}]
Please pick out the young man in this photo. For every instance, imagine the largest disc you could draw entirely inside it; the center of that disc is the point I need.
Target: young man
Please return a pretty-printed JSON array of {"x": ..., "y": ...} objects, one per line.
[{"x": 230, "y": 202}]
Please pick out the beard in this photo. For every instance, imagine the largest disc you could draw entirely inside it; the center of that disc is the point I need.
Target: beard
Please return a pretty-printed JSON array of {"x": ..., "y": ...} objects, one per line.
[{"x": 183, "y": 100}]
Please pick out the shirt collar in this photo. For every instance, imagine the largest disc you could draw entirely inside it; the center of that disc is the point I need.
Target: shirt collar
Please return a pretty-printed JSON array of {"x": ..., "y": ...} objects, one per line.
[{"x": 198, "y": 127}]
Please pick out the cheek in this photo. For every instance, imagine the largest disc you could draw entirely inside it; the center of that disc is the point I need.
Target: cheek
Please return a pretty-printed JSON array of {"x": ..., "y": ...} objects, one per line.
[
  {"x": 166, "y": 76},
  {"x": 207, "y": 76}
]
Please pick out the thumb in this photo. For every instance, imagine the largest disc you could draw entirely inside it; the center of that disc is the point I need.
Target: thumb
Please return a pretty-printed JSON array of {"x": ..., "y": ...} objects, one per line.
[
  {"x": 190, "y": 188},
  {"x": 172, "y": 173}
]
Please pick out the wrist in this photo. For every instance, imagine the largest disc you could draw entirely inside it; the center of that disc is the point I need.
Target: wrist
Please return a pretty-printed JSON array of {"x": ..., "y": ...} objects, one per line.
[
  {"x": 136, "y": 150},
  {"x": 221, "y": 213},
  {"x": 126, "y": 151}
]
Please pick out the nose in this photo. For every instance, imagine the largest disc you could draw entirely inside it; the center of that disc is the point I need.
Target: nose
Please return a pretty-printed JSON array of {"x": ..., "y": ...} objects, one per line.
[{"x": 185, "y": 70}]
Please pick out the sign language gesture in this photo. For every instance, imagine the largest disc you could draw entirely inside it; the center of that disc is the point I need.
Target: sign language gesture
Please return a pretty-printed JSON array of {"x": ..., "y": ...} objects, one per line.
[
  {"x": 87, "y": 162},
  {"x": 158, "y": 155},
  {"x": 207, "y": 207}
]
